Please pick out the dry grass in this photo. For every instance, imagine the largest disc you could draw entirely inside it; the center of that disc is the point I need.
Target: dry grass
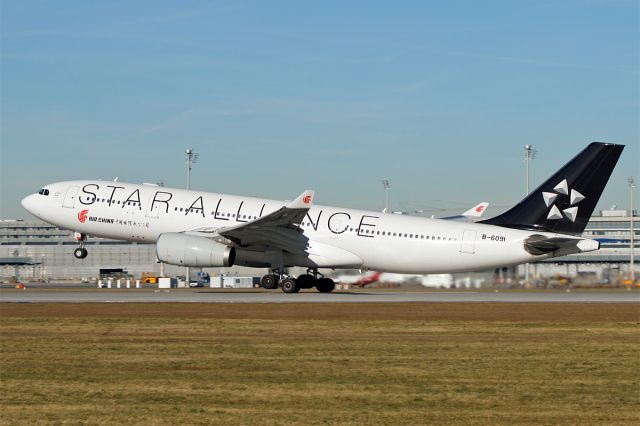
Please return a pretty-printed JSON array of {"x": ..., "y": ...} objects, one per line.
[{"x": 320, "y": 364}]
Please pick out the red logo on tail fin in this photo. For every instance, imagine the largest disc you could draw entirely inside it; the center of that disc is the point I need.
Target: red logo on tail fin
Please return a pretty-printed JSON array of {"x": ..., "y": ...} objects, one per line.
[{"x": 306, "y": 199}]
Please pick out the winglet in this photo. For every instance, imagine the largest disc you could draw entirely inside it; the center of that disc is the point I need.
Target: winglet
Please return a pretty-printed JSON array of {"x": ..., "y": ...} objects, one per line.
[
  {"x": 304, "y": 200},
  {"x": 476, "y": 211}
]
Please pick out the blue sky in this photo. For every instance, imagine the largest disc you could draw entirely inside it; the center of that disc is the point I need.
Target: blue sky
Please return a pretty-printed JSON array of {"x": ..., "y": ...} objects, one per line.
[{"x": 280, "y": 96}]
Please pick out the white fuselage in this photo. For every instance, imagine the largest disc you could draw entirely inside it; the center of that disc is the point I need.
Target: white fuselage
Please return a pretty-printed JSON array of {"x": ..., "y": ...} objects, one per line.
[{"x": 340, "y": 237}]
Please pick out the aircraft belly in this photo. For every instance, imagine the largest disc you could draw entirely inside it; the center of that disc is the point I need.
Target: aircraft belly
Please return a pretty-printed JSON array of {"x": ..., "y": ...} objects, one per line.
[
  {"x": 325, "y": 256},
  {"x": 440, "y": 257}
]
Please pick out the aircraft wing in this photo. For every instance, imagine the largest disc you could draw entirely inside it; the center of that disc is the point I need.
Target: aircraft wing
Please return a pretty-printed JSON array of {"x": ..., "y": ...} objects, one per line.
[{"x": 277, "y": 229}]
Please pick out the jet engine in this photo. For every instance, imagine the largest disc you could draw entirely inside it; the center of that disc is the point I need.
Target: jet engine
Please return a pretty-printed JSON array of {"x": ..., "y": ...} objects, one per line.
[{"x": 190, "y": 250}]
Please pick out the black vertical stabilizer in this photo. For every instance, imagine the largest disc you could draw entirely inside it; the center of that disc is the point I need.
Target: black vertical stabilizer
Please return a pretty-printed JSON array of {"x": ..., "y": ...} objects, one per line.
[{"x": 565, "y": 202}]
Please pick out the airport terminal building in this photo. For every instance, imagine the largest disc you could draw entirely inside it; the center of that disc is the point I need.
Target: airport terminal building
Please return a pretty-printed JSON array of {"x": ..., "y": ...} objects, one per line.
[
  {"x": 613, "y": 229},
  {"x": 38, "y": 250},
  {"x": 34, "y": 250}
]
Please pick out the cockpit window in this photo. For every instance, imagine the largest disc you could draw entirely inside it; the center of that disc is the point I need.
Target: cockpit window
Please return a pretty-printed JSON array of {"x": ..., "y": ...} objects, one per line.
[{"x": 43, "y": 192}]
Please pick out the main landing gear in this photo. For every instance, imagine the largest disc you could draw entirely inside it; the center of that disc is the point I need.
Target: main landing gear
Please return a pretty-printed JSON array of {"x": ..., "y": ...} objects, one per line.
[
  {"x": 80, "y": 252},
  {"x": 293, "y": 285}
]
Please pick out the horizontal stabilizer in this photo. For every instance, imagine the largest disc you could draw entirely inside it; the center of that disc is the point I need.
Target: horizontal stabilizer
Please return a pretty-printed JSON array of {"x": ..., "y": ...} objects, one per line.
[{"x": 538, "y": 245}]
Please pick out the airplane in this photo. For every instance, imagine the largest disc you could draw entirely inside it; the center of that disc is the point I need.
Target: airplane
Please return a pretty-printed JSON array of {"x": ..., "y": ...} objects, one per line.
[
  {"x": 358, "y": 280},
  {"x": 202, "y": 229}
]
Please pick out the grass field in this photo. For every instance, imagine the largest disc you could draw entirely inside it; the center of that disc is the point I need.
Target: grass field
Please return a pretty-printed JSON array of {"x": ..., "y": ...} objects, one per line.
[{"x": 320, "y": 364}]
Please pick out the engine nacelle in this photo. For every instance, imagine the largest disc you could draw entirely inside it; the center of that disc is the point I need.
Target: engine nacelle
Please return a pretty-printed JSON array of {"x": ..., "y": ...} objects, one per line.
[{"x": 190, "y": 250}]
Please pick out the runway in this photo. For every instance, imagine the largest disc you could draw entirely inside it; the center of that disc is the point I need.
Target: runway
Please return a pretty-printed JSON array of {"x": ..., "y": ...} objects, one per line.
[{"x": 258, "y": 296}]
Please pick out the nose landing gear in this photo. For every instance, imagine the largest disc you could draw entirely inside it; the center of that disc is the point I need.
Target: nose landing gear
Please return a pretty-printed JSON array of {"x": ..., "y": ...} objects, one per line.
[{"x": 80, "y": 252}]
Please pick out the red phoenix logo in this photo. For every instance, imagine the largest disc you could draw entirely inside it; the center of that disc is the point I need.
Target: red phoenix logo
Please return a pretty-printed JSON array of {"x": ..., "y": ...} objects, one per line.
[
  {"x": 479, "y": 209},
  {"x": 306, "y": 199},
  {"x": 82, "y": 216}
]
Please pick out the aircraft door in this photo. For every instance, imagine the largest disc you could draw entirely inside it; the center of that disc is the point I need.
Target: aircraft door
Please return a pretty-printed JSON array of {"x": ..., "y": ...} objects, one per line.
[
  {"x": 468, "y": 244},
  {"x": 70, "y": 198}
]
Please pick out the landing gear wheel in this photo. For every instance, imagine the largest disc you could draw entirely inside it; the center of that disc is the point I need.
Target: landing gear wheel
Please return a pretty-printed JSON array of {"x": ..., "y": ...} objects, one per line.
[
  {"x": 306, "y": 281},
  {"x": 290, "y": 285},
  {"x": 325, "y": 285},
  {"x": 269, "y": 281},
  {"x": 80, "y": 253}
]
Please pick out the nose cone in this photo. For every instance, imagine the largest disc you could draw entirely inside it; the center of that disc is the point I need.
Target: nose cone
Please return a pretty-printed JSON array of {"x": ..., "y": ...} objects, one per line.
[{"x": 30, "y": 204}]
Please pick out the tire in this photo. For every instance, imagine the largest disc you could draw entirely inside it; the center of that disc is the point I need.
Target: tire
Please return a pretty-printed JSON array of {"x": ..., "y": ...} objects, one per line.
[
  {"x": 269, "y": 281},
  {"x": 80, "y": 253},
  {"x": 290, "y": 285},
  {"x": 306, "y": 281},
  {"x": 325, "y": 285}
]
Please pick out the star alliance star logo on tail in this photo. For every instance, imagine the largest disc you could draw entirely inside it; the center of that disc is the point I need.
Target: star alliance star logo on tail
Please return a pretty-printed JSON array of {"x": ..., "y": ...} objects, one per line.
[
  {"x": 82, "y": 216},
  {"x": 571, "y": 212}
]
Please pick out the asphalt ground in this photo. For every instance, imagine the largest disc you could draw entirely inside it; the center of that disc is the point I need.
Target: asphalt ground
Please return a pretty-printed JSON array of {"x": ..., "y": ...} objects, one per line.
[{"x": 205, "y": 295}]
